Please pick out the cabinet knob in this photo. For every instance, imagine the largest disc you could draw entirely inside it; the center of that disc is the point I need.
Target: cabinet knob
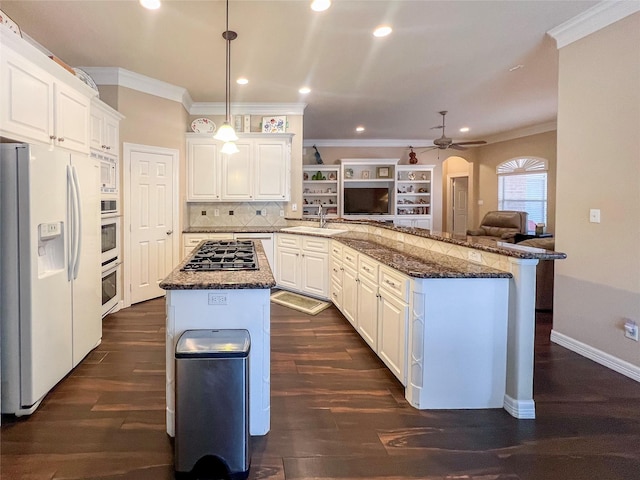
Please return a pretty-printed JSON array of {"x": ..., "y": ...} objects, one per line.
[
  {"x": 61, "y": 139},
  {"x": 52, "y": 137}
]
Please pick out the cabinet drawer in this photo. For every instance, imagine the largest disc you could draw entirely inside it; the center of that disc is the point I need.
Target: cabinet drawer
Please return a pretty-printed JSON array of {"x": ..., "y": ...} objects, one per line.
[
  {"x": 336, "y": 273},
  {"x": 336, "y": 249},
  {"x": 312, "y": 244},
  {"x": 290, "y": 241},
  {"x": 368, "y": 268},
  {"x": 350, "y": 258},
  {"x": 394, "y": 283}
]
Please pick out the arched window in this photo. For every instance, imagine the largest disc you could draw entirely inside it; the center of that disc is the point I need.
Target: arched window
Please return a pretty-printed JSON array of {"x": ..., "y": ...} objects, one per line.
[{"x": 522, "y": 185}]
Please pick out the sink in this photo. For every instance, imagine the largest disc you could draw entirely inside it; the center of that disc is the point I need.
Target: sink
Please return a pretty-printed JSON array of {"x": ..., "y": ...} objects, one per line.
[{"x": 325, "y": 232}]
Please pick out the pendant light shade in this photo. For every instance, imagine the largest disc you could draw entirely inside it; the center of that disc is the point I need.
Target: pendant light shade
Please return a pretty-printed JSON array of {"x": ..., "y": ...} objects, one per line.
[
  {"x": 229, "y": 148},
  {"x": 226, "y": 133}
]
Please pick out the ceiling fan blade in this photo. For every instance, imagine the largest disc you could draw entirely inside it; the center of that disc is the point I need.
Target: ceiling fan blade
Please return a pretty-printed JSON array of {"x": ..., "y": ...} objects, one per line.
[
  {"x": 436, "y": 127},
  {"x": 478, "y": 142},
  {"x": 427, "y": 149},
  {"x": 456, "y": 146}
]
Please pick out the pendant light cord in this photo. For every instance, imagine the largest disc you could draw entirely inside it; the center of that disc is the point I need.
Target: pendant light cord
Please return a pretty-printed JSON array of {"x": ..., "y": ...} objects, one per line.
[{"x": 227, "y": 92}]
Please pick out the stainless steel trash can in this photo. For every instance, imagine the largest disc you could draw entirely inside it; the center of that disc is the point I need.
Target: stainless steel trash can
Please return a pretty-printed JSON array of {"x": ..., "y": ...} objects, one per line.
[{"x": 212, "y": 402}]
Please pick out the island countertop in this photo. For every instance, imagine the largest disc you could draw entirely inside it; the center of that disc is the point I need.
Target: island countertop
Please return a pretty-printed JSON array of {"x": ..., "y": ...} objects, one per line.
[{"x": 234, "y": 279}]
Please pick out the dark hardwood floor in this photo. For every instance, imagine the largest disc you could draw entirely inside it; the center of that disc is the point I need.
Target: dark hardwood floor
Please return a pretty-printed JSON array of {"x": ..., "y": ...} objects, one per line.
[{"x": 336, "y": 413}]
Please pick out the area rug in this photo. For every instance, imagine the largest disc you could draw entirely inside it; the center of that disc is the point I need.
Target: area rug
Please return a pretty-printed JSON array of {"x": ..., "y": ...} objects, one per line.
[{"x": 301, "y": 303}]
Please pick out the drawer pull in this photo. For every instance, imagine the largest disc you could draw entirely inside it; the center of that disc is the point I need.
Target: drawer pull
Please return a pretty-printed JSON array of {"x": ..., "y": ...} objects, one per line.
[
  {"x": 349, "y": 258},
  {"x": 366, "y": 269},
  {"x": 390, "y": 283}
]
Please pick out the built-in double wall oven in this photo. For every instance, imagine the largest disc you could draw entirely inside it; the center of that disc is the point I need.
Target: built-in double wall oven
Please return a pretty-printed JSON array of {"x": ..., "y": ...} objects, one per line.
[{"x": 111, "y": 255}]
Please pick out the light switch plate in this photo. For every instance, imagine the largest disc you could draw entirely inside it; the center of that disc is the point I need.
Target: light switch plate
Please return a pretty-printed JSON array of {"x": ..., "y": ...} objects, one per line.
[{"x": 594, "y": 215}]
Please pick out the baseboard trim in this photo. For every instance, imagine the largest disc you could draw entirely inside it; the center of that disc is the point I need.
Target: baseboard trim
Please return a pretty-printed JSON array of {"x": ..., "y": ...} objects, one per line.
[
  {"x": 614, "y": 363},
  {"x": 521, "y": 409}
]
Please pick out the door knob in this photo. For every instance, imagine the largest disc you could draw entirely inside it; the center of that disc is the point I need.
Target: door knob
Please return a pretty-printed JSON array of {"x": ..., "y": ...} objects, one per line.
[{"x": 169, "y": 232}]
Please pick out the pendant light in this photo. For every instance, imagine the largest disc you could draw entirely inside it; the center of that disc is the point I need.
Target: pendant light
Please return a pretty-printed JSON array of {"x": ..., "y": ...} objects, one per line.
[{"x": 226, "y": 133}]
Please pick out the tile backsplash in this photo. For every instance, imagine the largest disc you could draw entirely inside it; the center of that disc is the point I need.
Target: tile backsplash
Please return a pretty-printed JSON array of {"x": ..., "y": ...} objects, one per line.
[{"x": 244, "y": 214}]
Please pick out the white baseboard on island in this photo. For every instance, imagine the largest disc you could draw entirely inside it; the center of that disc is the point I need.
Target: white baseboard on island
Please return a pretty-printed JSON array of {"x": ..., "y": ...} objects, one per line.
[{"x": 520, "y": 409}]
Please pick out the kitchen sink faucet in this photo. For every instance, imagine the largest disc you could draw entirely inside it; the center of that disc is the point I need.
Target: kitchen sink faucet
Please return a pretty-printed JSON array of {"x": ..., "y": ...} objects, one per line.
[{"x": 323, "y": 219}]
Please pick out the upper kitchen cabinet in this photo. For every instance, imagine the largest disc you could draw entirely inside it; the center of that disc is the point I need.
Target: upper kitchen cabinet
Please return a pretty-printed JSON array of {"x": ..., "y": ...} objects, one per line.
[
  {"x": 105, "y": 128},
  {"x": 40, "y": 101},
  {"x": 260, "y": 171}
]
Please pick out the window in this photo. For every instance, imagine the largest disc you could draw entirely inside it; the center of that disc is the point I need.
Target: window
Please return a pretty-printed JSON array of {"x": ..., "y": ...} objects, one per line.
[{"x": 522, "y": 185}]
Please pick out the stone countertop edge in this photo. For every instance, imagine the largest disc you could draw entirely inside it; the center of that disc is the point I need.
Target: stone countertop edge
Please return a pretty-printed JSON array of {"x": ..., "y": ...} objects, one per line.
[
  {"x": 501, "y": 248},
  {"x": 226, "y": 280}
]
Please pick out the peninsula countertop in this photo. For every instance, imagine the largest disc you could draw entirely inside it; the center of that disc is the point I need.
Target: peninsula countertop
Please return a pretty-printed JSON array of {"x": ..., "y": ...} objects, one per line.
[{"x": 243, "y": 279}]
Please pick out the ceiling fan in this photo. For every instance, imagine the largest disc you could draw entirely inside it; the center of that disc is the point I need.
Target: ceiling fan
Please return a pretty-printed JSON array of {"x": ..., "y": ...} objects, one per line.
[{"x": 445, "y": 142}]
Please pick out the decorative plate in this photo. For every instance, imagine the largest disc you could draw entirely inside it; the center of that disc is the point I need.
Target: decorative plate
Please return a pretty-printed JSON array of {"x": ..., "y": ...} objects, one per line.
[
  {"x": 203, "y": 125},
  {"x": 86, "y": 78}
]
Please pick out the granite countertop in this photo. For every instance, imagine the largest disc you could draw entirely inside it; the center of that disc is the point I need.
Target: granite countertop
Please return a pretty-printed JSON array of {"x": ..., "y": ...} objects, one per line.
[
  {"x": 417, "y": 262},
  {"x": 242, "y": 279},
  {"x": 245, "y": 229}
]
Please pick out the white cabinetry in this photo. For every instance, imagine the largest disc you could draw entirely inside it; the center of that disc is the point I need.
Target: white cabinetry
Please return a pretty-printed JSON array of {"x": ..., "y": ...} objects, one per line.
[
  {"x": 336, "y": 274},
  {"x": 413, "y": 196},
  {"x": 374, "y": 298},
  {"x": 320, "y": 187},
  {"x": 39, "y": 100},
  {"x": 302, "y": 264},
  {"x": 104, "y": 132},
  {"x": 260, "y": 171}
]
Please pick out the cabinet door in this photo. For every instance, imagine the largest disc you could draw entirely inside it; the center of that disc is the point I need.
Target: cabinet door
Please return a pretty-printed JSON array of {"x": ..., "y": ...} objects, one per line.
[
  {"x": 315, "y": 274},
  {"x": 72, "y": 113},
  {"x": 237, "y": 174},
  {"x": 349, "y": 294},
  {"x": 393, "y": 317},
  {"x": 96, "y": 129},
  {"x": 112, "y": 135},
  {"x": 288, "y": 271},
  {"x": 367, "y": 316},
  {"x": 272, "y": 170},
  {"x": 203, "y": 177},
  {"x": 26, "y": 105}
]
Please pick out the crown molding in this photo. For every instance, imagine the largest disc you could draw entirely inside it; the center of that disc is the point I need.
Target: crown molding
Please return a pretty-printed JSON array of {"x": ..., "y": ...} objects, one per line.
[
  {"x": 141, "y": 83},
  {"x": 371, "y": 142},
  {"x": 522, "y": 132},
  {"x": 596, "y": 18},
  {"x": 217, "y": 108}
]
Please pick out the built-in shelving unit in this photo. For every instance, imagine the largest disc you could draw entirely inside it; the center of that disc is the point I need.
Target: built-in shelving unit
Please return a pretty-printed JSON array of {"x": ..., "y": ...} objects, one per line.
[
  {"x": 320, "y": 187},
  {"x": 368, "y": 188},
  {"x": 413, "y": 196}
]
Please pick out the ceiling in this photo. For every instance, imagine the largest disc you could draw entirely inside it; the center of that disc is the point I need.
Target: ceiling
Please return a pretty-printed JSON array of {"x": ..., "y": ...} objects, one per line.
[{"x": 441, "y": 55}]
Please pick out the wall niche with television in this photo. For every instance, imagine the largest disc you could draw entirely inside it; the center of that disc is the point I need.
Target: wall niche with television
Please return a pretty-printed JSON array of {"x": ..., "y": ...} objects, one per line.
[{"x": 368, "y": 188}]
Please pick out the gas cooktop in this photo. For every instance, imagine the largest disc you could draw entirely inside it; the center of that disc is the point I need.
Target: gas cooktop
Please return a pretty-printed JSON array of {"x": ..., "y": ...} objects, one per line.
[{"x": 223, "y": 255}]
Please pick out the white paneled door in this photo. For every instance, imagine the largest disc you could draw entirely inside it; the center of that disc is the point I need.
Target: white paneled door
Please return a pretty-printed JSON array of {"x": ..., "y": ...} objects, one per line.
[
  {"x": 459, "y": 194},
  {"x": 151, "y": 200}
]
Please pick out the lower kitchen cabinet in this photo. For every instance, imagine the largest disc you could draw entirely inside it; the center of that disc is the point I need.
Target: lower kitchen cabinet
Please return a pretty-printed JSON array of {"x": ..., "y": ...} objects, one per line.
[
  {"x": 367, "y": 311},
  {"x": 393, "y": 320},
  {"x": 302, "y": 264}
]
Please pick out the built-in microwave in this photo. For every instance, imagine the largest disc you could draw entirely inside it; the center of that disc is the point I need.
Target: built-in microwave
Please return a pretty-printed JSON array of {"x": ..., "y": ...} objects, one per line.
[{"x": 108, "y": 173}]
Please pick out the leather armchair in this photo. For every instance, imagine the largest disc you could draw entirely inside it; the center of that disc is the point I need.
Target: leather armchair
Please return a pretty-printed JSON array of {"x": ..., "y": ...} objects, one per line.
[{"x": 501, "y": 226}]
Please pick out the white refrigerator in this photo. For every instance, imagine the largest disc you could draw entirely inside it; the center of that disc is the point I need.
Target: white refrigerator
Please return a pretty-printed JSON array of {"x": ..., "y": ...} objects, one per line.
[{"x": 50, "y": 291}]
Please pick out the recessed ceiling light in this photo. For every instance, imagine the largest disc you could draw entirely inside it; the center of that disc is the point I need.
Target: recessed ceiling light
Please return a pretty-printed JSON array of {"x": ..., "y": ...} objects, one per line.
[
  {"x": 304, "y": 90},
  {"x": 150, "y": 4},
  {"x": 242, "y": 81},
  {"x": 382, "y": 31},
  {"x": 360, "y": 129},
  {"x": 320, "y": 5},
  {"x": 464, "y": 129}
]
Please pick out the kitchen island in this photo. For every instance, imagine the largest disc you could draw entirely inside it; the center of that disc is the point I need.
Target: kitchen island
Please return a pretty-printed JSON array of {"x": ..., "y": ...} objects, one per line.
[{"x": 224, "y": 300}]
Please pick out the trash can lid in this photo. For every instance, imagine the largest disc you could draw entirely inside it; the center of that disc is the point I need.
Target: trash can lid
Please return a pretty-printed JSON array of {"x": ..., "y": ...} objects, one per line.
[{"x": 213, "y": 344}]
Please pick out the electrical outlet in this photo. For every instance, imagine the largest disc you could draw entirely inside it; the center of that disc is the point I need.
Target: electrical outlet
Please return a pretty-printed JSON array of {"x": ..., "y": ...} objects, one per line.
[
  {"x": 230, "y": 212},
  {"x": 594, "y": 215},
  {"x": 474, "y": 256},
  {"x": 282, "y": 213},
  {"x": 216, "y": 212},
  {"x": 217, "y": 299},
  {"x": 264, "y": 212},
  {"x": 203, "y": 213},
  {"x": 630, "y": 329}
]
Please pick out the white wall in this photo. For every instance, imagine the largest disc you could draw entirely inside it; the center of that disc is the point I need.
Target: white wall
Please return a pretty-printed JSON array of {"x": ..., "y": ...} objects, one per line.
[{"x": 598, "y": 167}]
